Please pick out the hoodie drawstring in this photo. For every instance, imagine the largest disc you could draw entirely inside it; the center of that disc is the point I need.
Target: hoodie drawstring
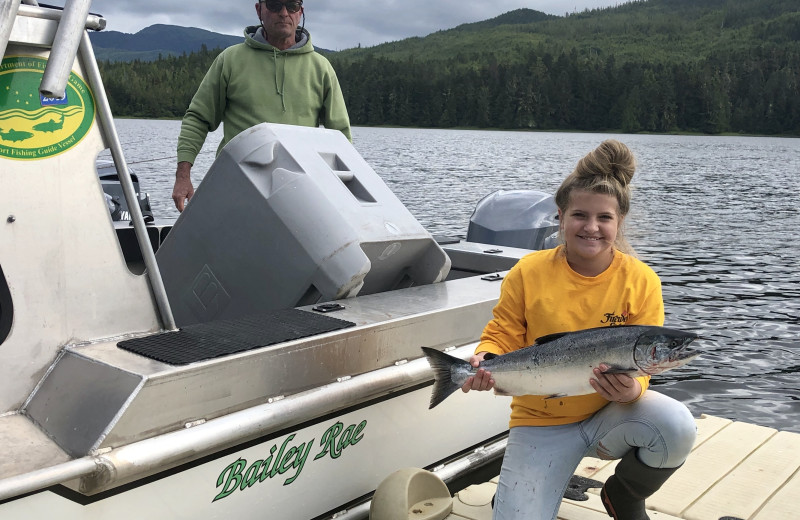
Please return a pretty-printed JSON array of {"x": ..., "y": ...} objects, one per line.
[{"x": 280, "y": 89}]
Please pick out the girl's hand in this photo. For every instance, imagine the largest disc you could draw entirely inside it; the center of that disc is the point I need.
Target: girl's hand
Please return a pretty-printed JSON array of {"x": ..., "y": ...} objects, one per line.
[
  {"x": 618, "y": 388},
  {"x": 482, "y": 380}
]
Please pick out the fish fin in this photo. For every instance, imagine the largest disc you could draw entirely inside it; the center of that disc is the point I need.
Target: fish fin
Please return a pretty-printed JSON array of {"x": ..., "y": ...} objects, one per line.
[
  {"x": 550, "y": 337},
  {"x": 555, "y": 396},
  {"x": 555, "y": 336},
  {"x": 443, "y": 365},
  {"x": 616, "y": 369},
  {"x": 500, "y": 391}
]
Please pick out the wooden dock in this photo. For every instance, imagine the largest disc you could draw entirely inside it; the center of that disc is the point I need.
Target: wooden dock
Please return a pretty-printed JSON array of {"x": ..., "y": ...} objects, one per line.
[{"x": 736, "y": 471}]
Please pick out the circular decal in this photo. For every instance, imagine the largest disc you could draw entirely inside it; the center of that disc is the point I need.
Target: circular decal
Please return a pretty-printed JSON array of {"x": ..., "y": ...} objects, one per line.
[{"x": 36, "y": 127}]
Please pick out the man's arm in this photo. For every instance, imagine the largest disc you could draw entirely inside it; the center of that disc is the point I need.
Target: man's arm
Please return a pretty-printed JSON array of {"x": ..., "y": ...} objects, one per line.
[
  {"x": 183, "y": 189},
  {"x": 203, "y": 115},
  {"x": 335, "y": 111}
]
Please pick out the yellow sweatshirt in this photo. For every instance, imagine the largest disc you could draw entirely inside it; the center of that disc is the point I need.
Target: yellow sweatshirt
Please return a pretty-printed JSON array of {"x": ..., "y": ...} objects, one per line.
[{"x": 542, "y": 295}]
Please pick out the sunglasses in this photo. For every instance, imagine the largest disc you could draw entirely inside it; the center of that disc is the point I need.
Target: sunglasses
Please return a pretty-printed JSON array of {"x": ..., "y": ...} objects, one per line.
[{"x": 274, "y": 6}]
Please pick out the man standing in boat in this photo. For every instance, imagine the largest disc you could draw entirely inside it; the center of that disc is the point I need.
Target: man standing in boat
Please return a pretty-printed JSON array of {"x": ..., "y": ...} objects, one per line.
[{"x": 274, "y": 76}]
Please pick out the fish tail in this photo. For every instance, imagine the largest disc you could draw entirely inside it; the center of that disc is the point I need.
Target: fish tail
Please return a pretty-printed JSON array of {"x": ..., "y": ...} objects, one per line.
[{"x": 445, "y": 372}]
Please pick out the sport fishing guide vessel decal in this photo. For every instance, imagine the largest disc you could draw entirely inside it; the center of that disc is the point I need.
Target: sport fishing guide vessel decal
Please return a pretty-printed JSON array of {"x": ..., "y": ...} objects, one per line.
[{"x": 33, "y": 126}]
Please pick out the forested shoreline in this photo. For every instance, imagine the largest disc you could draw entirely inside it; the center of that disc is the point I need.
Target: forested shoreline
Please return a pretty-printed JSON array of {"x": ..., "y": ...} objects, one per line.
[
  {"x": 753, "y": 94},
  {"x": 658, "y": 76}
]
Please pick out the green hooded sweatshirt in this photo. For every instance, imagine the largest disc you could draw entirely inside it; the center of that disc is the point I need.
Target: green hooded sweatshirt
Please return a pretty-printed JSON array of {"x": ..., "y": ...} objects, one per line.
[{"x": 254, "y": 82}]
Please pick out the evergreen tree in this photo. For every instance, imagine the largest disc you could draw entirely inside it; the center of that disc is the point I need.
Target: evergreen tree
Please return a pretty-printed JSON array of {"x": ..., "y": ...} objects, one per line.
[{"x": 657, "y": 66}]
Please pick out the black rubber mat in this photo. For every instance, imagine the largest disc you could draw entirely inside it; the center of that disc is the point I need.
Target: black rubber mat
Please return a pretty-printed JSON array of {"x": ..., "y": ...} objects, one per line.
[{"x": 221, "y": 338}]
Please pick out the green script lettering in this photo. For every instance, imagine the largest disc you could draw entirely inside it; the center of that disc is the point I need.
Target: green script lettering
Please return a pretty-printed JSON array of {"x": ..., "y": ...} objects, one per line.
[
  {"x": 359, "y": 429},
  {"x": 275, "y": 466},
  {"x": 234, "y": 475},
  {"x": 285, "y": 466},
  {"x": 286, "y": 457},
  {"x": 332, "y": 446},
  {"x": 299, "y": 462},
  {"x": 328, "y": 441},
  {"x": 252, "y": 475},
  {"x": 265, "y": 464}
]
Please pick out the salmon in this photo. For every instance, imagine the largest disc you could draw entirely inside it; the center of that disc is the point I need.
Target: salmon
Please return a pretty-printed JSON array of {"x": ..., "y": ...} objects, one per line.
[{"x": 560, "y": 365}]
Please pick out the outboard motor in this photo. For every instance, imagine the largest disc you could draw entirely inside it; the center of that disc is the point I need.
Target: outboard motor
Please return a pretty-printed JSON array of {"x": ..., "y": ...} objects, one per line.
[
  {"x": 526, "y": 219},
  {"x": 115, "y": 199}
]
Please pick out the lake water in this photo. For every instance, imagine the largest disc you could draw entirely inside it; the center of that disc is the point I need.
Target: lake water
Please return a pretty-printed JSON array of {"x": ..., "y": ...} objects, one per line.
[{"x": 716, "y": 217}]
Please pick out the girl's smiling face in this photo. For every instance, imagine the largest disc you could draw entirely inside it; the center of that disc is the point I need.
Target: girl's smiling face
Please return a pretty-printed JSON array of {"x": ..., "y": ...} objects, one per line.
[{"x": 589, "y": 226}]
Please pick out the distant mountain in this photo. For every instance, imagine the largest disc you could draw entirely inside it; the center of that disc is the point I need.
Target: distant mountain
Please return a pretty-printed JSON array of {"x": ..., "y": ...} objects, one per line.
[
  {"x": 711, "y": 66},
  {"x": 516, "y": 17},
  {"x": 159, "y": 39},
  {"x": 673, "y": 31}
]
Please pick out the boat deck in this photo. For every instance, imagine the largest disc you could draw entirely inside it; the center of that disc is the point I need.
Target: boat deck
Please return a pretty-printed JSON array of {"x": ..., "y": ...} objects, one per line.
[{"x": 736, "y": 471}]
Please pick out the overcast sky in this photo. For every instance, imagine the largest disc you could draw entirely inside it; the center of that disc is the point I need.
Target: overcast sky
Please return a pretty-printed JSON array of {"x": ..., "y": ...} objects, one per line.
[{"x": 333, "y": 24}]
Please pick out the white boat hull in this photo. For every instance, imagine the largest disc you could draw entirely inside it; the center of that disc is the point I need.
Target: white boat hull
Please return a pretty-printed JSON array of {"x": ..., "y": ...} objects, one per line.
[{"x": 297, "y": 474}]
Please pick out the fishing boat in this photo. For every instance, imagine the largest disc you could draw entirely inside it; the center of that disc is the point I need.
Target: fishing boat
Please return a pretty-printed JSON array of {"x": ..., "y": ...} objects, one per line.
[{"x": 260, "y": 356}]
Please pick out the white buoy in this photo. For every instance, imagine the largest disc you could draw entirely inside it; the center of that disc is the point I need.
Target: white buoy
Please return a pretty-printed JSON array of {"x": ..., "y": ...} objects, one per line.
[{"x": 411, "y": 494}]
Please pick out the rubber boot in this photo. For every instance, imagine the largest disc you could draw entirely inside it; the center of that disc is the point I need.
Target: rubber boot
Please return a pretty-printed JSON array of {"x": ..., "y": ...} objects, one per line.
[{"x": 624, "y": 492}]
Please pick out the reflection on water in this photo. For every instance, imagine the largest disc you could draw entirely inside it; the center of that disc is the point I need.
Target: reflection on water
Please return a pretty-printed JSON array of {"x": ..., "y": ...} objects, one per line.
[{"x": 716, "y": 218}]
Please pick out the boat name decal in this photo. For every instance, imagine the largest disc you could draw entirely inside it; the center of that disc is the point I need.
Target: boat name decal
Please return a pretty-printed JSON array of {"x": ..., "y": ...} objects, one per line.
[
  {"x": 33, "y": 126},
  {"x": 290, "y": 455}
]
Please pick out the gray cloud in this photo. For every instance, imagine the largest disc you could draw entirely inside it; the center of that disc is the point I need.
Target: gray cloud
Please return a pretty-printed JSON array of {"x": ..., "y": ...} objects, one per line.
[{"x": 334, "y": 24}]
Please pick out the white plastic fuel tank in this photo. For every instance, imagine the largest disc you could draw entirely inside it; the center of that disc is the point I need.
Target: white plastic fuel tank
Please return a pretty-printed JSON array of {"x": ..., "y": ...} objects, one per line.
[{"x": 289, "y": 216}]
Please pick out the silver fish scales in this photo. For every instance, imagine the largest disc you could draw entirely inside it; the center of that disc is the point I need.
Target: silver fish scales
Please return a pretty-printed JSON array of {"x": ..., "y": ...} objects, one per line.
[{"x": 561, "y": 364}]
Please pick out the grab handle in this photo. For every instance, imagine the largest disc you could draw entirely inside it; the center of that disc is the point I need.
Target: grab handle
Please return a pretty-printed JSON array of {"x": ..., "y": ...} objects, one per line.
[{"x": 65, "y": 47}]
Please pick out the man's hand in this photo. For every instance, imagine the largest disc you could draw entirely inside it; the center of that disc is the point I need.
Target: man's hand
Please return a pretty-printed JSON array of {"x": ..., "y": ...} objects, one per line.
[
  {"x": 619, "y": 388},
  {"x": 183, "y": 190},
  {"x": 482, "y": 380}
]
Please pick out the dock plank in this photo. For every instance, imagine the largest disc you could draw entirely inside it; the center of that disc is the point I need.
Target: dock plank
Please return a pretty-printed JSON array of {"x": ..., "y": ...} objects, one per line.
[
  {"x": 571, "y": 510},
  {"x": 744, "y": 490},
  {"x": 783, "y": 505},
  {"x": 474, "y": 502},
  {"x": 592, "y": 509},
  {"x": 736, "y": 469},
  {"x": 707, "y": 464},
  {"x": 707, "y": 427}
]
